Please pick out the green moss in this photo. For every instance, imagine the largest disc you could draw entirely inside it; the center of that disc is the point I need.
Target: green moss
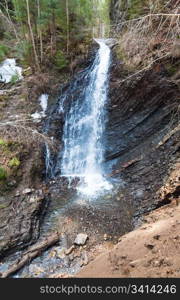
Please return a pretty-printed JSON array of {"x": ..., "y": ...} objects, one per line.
[
  {"x": 3, "y": 206},
  {"x": 3, "y": 174},
  {"x": 14, "y": 78},
  {"x": 2, "y": 143},
  {"x": 14, "y": 162}
]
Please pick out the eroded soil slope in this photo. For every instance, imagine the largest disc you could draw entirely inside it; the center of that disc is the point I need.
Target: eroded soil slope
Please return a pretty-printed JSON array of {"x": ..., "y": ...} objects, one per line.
[{"x": 150, "y": 251}]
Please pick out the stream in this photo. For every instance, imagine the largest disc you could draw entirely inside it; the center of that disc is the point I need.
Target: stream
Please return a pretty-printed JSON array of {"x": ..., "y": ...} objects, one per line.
[{"x": 84, "y": 199}]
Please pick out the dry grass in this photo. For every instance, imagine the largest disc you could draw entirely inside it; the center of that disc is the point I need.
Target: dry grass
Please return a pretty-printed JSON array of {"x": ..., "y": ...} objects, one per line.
[
  {"x": 23, "y": 132},
  {"x": 144, "y": 40},
  {"x": 147, "y": 39}
]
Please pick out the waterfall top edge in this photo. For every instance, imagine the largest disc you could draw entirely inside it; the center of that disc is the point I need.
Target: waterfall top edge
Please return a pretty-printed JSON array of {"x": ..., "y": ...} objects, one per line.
[{"x": 110, "y": 42}]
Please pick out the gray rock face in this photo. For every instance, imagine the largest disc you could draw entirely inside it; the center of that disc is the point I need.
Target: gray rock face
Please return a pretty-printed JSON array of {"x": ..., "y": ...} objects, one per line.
[
  {"x": 111, "y": 42},
  {"x": 138, "y": 113},
  {"x": 20, "y": 220},
  {"x": 81, "y": 239}
]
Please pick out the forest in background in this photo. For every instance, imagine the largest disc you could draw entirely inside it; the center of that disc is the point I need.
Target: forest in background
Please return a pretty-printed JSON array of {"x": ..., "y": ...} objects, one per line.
[
  {"x": 50, "y": 41},
  {"x": 43, "y": 33}
]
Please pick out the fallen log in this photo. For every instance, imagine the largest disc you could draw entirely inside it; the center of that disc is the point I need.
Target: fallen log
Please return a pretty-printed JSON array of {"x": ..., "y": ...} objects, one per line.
[{"x": 31, "y": 253}]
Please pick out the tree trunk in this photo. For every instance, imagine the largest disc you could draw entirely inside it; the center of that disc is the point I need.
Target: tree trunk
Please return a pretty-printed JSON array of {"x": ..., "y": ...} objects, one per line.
[
  {"x": 32, "y": 36},
  {"x": 40, "y": 32},
  {"x": 67, "y": 25},
  {"x": 8, "y": 18}
]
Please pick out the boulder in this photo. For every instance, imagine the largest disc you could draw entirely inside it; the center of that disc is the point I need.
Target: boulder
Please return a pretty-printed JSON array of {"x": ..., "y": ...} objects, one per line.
[{"x": 81, "y": 239}]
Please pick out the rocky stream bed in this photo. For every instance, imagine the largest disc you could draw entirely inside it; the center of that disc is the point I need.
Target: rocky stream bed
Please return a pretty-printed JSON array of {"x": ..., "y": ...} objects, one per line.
[{"x": 142, "y": 162}]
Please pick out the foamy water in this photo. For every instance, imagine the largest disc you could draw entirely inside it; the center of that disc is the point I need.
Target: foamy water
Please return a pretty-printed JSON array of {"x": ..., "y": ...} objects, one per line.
[{"x": 84, "y": 128}]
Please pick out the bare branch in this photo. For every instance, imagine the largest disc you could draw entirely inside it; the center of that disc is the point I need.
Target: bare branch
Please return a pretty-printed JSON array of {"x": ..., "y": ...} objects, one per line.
[{"x": 20, "y": 130}]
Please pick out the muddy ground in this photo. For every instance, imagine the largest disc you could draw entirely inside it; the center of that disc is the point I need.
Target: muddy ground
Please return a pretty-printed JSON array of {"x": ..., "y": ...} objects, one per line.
[{"x": 152, "y": 250}]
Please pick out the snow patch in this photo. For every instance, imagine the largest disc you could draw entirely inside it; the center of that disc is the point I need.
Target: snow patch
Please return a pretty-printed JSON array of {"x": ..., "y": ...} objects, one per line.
[
  {"x": 43, "y": 101},
  {"x": 9, "y": 70}
]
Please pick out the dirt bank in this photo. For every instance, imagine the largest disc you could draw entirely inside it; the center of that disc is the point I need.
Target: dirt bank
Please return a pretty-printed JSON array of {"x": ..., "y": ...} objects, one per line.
[{"x": 152, "y": 250}]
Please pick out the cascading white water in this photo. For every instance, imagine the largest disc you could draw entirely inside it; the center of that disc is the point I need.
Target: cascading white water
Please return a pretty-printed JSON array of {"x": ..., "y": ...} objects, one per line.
[{"x": 84, "y": 127}]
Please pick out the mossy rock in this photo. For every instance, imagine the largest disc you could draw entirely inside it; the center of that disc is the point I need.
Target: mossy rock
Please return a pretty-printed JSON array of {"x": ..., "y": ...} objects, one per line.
[{"x": 14, "y": 162}]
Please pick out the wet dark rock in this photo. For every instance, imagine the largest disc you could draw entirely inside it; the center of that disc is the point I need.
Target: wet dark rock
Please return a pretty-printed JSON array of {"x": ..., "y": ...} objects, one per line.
[
  {"x": 140, "y": 115},
  {"x": 144, "y": 108},
  {"x": 20, "y": 221}
]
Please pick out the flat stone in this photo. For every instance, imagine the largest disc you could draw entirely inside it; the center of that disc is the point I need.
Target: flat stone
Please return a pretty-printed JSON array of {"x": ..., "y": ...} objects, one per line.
[
  {"x": 17, "y": 194},
  {"x": 27, "y": 191},
  {"x": 105, "y": 237},
  {"x": 81, "y": 239},
  {"x": 35, "y": 199}
]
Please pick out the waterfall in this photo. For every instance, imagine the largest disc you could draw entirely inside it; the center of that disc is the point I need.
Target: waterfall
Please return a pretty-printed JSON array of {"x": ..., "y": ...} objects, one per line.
[{"x": 84, "y": 128}]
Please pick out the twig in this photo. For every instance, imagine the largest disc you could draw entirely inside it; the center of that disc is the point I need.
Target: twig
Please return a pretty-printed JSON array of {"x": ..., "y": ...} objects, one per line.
[
  {"x": 30, "y": 254},
  {"x": 24, "y": 132},
  {"x": 146, "y": 68}
]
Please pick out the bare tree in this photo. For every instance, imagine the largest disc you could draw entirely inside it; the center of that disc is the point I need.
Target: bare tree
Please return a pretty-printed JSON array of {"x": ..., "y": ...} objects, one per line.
[
  {"x": 67, "y": 24},
  {"x": 32, "y": 36},
  {"x": 40, "y": 31}
]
